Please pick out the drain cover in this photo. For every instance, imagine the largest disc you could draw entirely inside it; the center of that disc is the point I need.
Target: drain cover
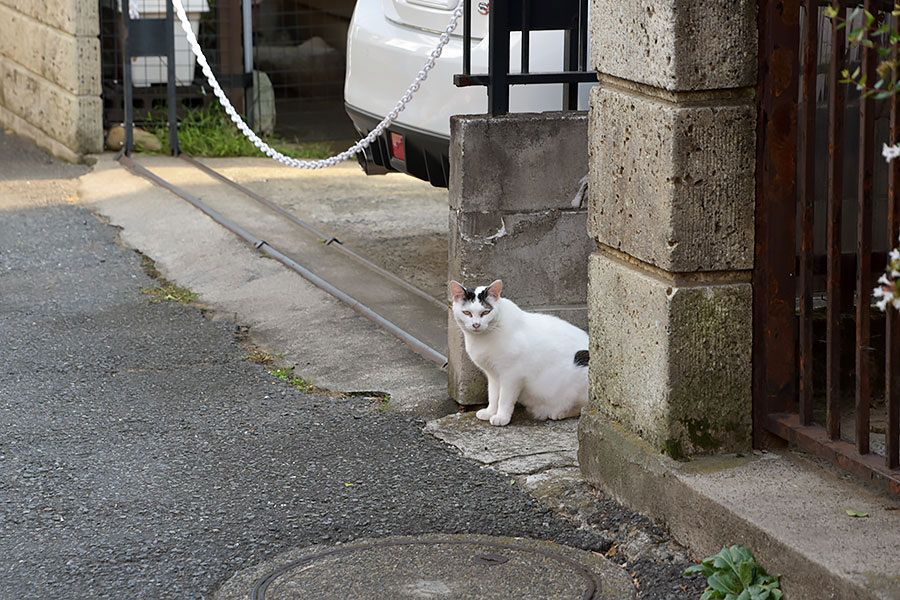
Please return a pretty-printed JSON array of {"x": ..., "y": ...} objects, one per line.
[{"x": 457, "y": 567}]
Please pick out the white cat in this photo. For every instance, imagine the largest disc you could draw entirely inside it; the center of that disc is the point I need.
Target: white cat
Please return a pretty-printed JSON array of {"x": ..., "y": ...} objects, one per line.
[{"x": 538, "y": 360}]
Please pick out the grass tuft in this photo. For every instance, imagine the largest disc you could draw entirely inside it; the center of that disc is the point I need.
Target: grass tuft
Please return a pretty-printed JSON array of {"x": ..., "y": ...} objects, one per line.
[
  {"x": 286, "y": 374},
  {"x": 208, "y": 131},
  {"x": 170, "y": 293}
]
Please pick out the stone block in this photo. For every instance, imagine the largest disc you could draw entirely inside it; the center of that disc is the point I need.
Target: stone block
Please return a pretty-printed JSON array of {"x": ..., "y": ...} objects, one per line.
[
  {"x": 518, "y": 162},
  {"x": 671, "y": 357},
  {"x": 76, "y": 17},
  {"x": 71, "y": 62},
  {"x": 677, "y": 45},
  {"x": 74, "y": 121},
  {"x": 540, "y": 256},
  {"x": 673, "y": 184}
]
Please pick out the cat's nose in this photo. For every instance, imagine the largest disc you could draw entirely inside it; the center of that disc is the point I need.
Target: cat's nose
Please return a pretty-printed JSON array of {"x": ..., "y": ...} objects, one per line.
[{"x": 476, "y": 325}]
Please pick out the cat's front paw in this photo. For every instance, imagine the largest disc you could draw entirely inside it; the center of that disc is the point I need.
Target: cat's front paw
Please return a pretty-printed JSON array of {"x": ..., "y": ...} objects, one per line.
[
  {"x": 500, "y": 420},
  {"x": 484, "y": 414}
]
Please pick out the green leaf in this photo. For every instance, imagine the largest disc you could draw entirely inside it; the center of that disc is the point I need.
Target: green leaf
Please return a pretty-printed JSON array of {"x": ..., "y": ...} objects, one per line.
[
  {"x": 710, "y": 594},
  {"x": 724, "y": 582},
  {"x": 747, "y": 572},
  {"x": 776, "y": 594},
  {"x": 870, "y": 19},
  {"x": 856, "y": 514},
  {"x": 706, "y": 570},
  {"x": 855, "y": 73}
]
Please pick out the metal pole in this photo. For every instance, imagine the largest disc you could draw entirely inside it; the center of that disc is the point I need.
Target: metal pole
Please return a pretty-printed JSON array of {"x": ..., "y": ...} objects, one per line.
[
  {"x": 126, "y": 65},
  {"x": 498, "y": 58},
  {"x": 247, "y": 15},
  {"x": 172, "y": 99}
]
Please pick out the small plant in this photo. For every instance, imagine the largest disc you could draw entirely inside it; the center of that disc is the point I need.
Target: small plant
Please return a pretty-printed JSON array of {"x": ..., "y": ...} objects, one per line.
[
  {"x": 385, "y": 403},
  {"x": 878, "y": 36},
  {"x": 170, "y": 293},
  {"x": 286, "y": 374},
  {"x": 734, "y": 574}
]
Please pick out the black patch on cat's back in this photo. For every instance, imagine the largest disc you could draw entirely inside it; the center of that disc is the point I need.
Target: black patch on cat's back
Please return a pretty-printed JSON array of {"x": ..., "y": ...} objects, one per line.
[{"x": 581, "y": 358}]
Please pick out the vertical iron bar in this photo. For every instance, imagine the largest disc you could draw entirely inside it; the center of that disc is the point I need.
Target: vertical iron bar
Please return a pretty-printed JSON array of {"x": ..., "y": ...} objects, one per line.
[
  {"x": 526, "y": 34},
  {"x": 467, "y": 37},
  {"x": 807, "y": 192},
  {"x": 892, "y": 322},
  {"x": 582, "y": 35},
  {"x": 835, "y": 198},
  {"x": 774, "y": 312},
  {"x": 864, "y": 247},
  {"x": 498, "y": 58},
  {"x": 570, "y": 90},
  {"x": 126, "y": 68},
  {"x": 171, "y": 98}
]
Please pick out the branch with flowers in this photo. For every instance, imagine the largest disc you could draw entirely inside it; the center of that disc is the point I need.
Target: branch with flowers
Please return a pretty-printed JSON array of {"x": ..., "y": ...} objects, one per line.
[{"x": 865, "y": 31}]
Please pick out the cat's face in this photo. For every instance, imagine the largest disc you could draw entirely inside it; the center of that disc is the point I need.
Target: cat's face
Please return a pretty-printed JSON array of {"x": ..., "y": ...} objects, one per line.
[{"x": 475, "y": 309}]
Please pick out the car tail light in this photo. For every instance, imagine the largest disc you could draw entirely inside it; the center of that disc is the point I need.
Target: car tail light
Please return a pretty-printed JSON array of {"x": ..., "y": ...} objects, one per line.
[{"x": 397, "y": 149}]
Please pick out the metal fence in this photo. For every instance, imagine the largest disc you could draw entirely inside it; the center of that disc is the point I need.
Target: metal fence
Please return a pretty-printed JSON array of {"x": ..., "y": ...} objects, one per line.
[
  {"x": 286, "y": 76},
  {"x": 826, "y": 363},
  {"x": 526, "y": 16}
]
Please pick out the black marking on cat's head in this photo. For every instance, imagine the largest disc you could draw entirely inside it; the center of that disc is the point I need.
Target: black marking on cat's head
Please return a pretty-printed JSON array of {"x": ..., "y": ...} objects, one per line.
[
  {"x": 581, "y": 358},
  {"x": 469, "y": 295}
]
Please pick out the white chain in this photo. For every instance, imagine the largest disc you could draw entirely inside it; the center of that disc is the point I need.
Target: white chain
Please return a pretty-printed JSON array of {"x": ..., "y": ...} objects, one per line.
[{"x": 352, "y": 150}]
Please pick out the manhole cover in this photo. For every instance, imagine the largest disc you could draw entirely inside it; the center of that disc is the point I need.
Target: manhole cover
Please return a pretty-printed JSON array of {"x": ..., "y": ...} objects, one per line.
[{"x": 458, "y": 567}]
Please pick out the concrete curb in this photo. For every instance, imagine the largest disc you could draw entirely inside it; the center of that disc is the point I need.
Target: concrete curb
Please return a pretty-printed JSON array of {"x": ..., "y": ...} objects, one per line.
[{"x": 789, "y": 513}]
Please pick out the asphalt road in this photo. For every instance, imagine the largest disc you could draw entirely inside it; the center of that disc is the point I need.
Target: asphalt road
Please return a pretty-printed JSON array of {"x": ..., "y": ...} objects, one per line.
[{"x": 143, "y": 456}]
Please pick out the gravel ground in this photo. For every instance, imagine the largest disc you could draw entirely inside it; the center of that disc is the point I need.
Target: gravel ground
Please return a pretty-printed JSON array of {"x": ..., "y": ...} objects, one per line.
[{"x": 144, "y": 456}]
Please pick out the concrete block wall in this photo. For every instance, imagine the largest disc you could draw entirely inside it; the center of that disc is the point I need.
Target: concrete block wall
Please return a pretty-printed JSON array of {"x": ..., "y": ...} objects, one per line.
[
  {"x": 671, "y": 209},
  {"x": 512, "y": 182},
  {"x": 50, "y": 74}
]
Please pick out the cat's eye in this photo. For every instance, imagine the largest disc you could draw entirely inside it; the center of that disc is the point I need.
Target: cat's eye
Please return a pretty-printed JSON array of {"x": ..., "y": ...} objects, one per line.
[
  {"x": 467, "y": 313},
  {"x": 484, "y": 312}
]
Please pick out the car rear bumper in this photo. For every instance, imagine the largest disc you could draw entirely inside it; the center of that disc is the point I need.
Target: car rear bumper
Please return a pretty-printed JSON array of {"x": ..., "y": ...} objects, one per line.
[{"x": 427, "y": 154}]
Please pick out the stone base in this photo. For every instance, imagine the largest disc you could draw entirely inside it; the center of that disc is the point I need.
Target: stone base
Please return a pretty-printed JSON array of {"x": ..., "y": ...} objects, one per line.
[{"x": 671, "y": 355}]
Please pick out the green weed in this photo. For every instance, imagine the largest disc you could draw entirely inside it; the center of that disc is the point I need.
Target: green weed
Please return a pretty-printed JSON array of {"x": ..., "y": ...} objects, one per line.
[
  {"x": 734, "y": 574},
  {"x": 286, "y": 374},
  {"x": 170, "y": 293},
  {"x": 208, "y": 131}
]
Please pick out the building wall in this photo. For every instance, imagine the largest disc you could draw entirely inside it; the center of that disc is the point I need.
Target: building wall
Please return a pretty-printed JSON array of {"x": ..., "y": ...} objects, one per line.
[{"x": 50, "y": 74}]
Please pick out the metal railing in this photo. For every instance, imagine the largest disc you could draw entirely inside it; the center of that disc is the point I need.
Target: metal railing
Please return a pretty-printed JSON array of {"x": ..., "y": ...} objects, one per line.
[
  {"x": 506, "y": 16},
  {"x": 828, "y": 209}
]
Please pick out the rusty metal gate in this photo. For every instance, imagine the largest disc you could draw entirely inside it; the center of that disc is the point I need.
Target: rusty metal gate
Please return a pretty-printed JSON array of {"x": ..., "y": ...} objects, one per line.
[{"x": 826, "y": 368}]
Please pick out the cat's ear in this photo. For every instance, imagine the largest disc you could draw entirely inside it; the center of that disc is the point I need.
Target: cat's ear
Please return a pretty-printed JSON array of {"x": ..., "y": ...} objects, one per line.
[
  {"x": 457, "y": 291},
  {"x": 493, "y": 290}
]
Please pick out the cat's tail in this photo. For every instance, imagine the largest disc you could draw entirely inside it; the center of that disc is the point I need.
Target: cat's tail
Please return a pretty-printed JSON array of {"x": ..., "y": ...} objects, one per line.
[{"x": 581, "y": 358}]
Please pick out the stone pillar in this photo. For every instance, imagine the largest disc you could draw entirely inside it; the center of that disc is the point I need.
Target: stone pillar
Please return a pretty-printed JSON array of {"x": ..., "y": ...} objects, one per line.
[
  {"x": 671, "y": 208},
  {"x": 50, "y": 74},
  {"x": 512, "y": 183}
]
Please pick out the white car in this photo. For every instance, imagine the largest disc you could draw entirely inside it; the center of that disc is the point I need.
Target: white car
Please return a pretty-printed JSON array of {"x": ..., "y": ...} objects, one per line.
[{"x": 388, "y": 43}]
